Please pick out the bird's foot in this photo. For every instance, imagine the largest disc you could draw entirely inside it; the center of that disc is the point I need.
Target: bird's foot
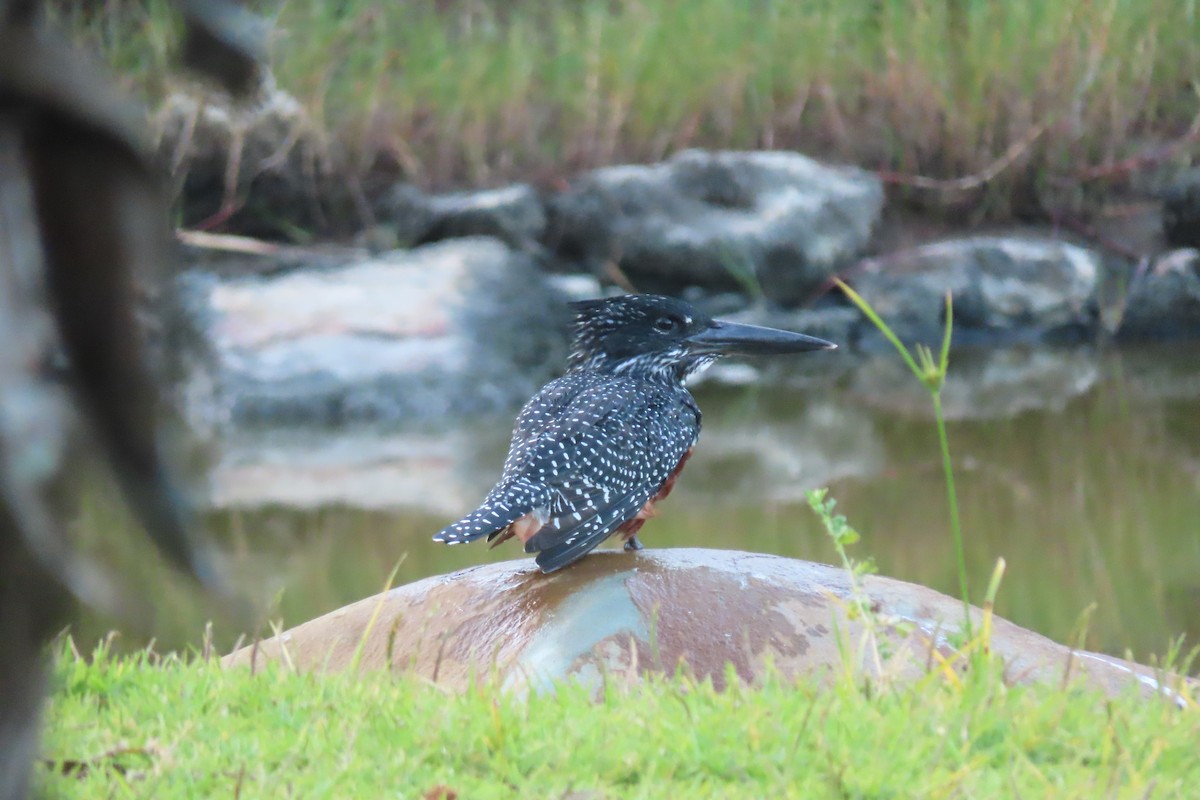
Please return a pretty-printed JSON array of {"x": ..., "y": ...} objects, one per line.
[{"x": 632, "y": 544}]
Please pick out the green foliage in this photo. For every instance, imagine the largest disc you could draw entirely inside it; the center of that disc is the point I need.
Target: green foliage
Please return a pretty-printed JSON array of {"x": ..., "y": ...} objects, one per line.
[
  {"x": 874, "y": 647},
  {"x": 140, "y": 726},
  {"x": 839, "y": 531}
]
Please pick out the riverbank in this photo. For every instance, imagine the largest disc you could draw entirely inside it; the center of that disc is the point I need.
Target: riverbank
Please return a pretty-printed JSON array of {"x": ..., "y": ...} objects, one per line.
[{"x": 994, "y": 111}]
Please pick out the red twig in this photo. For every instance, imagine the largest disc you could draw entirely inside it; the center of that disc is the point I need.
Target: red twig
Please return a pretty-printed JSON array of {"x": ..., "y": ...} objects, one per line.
[
  {"x": 1149, "y": 156},
  {"x": 968, "y": 182},
  {"x": 1080, "y": 227}
]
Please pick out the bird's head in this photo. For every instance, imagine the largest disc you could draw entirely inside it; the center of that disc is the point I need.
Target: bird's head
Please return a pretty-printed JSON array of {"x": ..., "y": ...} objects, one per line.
[{"x": 668, "y": 338}]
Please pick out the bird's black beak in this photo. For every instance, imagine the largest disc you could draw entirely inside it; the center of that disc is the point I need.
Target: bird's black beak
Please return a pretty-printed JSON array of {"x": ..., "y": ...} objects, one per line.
[{"x": 735, "y": 338}]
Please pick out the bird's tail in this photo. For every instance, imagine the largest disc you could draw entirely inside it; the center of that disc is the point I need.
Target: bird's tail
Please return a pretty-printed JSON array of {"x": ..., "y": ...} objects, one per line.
[
  {"x": 503, "y": 506},
  {"x": 558, "y": 548}
]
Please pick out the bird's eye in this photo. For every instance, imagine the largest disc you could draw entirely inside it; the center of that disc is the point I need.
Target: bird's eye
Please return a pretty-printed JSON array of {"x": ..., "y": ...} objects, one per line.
[{"x": 666, "y": 324}]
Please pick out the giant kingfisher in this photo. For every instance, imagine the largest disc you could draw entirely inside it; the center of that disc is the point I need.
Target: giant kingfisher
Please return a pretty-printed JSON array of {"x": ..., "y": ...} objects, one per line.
[{"x": 594, "y": 450}]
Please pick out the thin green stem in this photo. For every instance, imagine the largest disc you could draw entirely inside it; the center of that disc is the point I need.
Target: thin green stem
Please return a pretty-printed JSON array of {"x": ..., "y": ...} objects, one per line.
[
  {"x": 878, "y": 322},
  {"x": 952, "y": 500},
  {"x": 932, "y": 376},
  {"x": 944, "y": 358}
]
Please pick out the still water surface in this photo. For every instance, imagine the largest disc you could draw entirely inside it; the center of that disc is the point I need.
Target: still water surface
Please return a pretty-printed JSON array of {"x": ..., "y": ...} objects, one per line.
[{"x": 1081, "y": 468}]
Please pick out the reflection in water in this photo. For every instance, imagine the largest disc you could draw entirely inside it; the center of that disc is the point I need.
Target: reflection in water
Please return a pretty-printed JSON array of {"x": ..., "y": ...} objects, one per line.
[{"x": 1081, "y": 469}]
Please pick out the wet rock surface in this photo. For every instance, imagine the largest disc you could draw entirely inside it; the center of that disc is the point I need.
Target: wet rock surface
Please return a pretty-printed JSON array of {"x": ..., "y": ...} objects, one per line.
[
  {"x": 450, "y": 328},
  {"x": 777, "y": 221},
  {"x": 626, "y": 615},
  {"x": 1002, "y": 289}
]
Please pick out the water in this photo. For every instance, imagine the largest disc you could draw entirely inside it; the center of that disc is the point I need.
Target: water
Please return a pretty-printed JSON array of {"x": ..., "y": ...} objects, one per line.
[{"x": 1081, "y": 468}]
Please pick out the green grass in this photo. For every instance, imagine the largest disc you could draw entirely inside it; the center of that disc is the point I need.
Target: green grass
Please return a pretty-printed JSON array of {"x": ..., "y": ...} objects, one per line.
[
  {"x": 140, "y": 727},
  {"x": 465, "y": 91}
]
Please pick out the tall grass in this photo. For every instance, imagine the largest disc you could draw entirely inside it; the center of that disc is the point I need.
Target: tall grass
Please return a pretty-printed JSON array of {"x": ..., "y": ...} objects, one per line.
[{"x": 459, "y": 91}]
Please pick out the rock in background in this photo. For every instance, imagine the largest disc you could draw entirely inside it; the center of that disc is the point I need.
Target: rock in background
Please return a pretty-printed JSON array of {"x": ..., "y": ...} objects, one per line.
[
  {"x": 1003, "y": 289},
  {"x": 776, "y": 223},
  {"x": 457, "y": 327},
  {"x": 471, "y": 321}
]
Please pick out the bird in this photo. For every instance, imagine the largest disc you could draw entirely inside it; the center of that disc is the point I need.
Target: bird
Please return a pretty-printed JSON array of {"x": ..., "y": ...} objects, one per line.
[{"x": 595, "y": 449}]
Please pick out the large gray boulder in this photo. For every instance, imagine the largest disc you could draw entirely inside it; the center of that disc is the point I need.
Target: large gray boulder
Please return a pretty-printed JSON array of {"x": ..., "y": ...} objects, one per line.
[
  {"x": 621, "y": 616},
  {"x": 456, "y": 327},
  {"x": 775, "y": 222},
  {"x": 1003, "y": 288}
]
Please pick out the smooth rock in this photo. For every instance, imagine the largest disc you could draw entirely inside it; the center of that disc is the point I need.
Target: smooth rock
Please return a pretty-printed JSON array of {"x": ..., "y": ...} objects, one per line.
[
  {"x": 514, "y": 214},
  {"x": 1003, "y": 288},
  {"x": 457, "y": 327},
  {"x": 719, "y": 220},
  {"x": 1164, "y": 303},
  {"x": 620, "y": 616}
]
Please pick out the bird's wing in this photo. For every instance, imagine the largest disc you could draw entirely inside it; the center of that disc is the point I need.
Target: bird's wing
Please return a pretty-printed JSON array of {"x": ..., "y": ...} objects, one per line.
[
  {"x": 552, "y": 412},
  {"x": 587, "y": 453},
  {"x": 603, "y": 465},
  {"x": 547, "y": 418}
]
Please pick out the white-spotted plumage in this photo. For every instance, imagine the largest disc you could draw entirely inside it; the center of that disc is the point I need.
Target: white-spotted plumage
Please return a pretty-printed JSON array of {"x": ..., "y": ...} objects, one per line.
[{"x": 600, "y": 446}]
